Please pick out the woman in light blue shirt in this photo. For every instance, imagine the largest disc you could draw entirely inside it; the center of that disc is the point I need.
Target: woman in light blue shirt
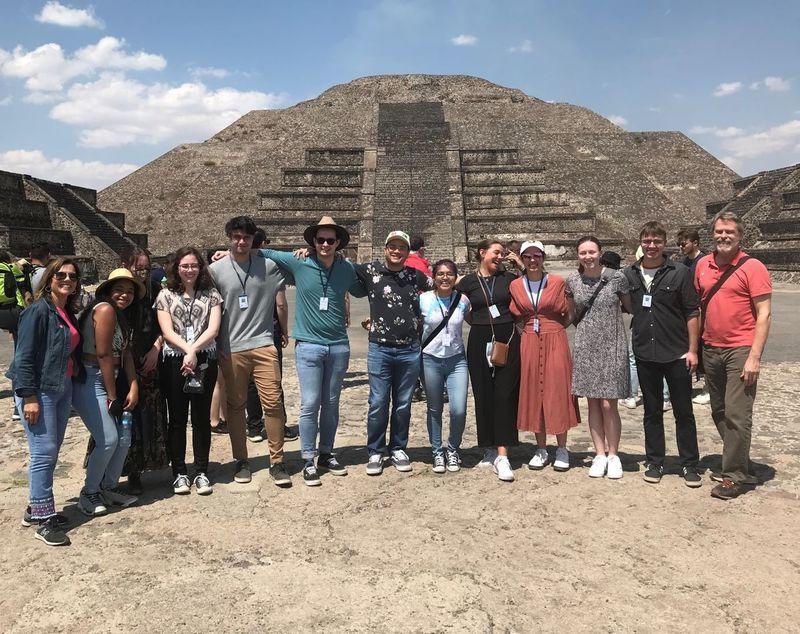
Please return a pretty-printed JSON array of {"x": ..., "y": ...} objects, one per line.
[{"x": 444, "y": 362}]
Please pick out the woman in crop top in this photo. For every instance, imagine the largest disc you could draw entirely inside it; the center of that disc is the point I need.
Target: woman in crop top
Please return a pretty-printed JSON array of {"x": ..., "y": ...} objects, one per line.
[
  {"x": 106, "y": 331},
  {"x": 46, "y": 357}
]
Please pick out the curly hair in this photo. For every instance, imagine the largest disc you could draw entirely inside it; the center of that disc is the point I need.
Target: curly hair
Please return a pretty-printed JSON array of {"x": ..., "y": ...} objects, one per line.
[
  {"x": 45, "y": 289},
  {"x": 174, "y": 282}
]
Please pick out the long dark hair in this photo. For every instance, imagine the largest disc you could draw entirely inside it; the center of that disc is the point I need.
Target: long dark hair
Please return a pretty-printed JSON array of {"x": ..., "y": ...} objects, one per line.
[
  {"x": 127, "y": 319},
  {"x": 174, "y": 282},
  {"x": 484, "y": 245},
  {"x": 45, "y": 287},
  {"x": 583, "y": 239}
]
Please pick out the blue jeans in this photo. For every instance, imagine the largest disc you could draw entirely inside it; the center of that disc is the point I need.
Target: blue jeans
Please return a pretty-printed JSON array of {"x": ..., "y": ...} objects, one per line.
[
  {"x": 450, "y": 371},
  {"x": 393, "y": 373},
  {"x": 320, "y": 370},
  {"x": 105, "y": 463},
  {"x": 635, "y": 376},
  {"x": 44, "y": 442}
]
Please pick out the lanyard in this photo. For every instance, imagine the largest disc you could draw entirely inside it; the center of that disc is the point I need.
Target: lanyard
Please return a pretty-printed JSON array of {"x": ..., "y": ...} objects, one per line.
[
  {"x": 246, "y": 275},
  {"x": 489, "y": 289},
  {"x": 325, "y": 280},
  {"x": 653, "y": 285},
  {"x": 535, "y": 304},
  {"x": 188, "y": 320}
]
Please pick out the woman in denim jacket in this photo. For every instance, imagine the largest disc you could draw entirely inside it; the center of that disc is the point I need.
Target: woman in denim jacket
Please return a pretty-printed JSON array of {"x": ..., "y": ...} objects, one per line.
[{"x": 46, "y": 358}]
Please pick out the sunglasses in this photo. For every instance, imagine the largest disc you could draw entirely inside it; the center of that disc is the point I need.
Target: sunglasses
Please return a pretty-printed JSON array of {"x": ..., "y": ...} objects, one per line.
[
  {"x": 330, "y": 241},
  {"x": 61, "y": 276}
]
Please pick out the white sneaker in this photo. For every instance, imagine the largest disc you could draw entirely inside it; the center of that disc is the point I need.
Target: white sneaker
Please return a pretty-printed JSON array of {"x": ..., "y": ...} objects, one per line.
[
  {"x": 539, "y": 460},
  {"x": 630, "y": 403},
  {"x": 598, "y": 468},
  {"x": 667, "y": 406},
  {"x": 181, "y": 485},
  {"x": 704, "y": 398},
  {"x": 375, "y": 464},
  {"x": 502, "y": 467},
  {"x": 561, "y": 463},
  {"x": 202, "y": 484},
  {"x": 439, "y": 464},
  {"x": 489, "y": 457},
  {"x": 614, "y": 465}
]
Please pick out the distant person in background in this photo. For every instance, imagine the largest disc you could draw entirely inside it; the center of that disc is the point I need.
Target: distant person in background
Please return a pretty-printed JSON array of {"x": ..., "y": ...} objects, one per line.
[
  {"x": 514, "y": 246},
  {"x": 12, "y": 300},
  {"x": 48, "y": 344},
  {"x": 689, "y": 244},
  {"x": 38, "y": 256}
]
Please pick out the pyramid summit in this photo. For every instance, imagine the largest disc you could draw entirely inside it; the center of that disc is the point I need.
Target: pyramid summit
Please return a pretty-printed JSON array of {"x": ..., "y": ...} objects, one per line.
[{"x": 452, "y": 158}]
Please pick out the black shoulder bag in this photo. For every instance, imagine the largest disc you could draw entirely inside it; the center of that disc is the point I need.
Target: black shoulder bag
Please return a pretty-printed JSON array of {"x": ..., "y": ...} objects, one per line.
[{"x": 444, "y": 321}]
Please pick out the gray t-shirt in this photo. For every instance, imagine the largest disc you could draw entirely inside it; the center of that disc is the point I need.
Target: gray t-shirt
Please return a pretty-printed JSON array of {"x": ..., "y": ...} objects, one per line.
[
  {"x": 36, "y": 278},
  {"x": 258, "y": 279}
]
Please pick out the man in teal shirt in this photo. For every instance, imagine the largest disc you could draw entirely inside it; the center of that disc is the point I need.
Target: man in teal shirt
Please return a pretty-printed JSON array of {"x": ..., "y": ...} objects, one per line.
[{"x": 322, "y": 350}]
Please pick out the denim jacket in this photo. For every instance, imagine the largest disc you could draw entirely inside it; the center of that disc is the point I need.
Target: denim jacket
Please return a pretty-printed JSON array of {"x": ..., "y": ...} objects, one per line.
[{"x": 42, "y": 351}]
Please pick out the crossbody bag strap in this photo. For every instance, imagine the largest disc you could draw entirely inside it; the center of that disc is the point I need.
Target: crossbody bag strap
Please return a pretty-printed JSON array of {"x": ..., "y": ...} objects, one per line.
[
  {"x": 713, "y": 291},
  {"x": 603, "y": 281},
  {"x": 443, "y": 323},
  {"x": 491, "y": 319}
]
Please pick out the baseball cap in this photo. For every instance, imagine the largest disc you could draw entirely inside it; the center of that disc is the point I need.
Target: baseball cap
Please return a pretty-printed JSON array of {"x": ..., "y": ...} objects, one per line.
[
  {"x": 531, "y": 244},
  {"x": 398, "y": 235}
]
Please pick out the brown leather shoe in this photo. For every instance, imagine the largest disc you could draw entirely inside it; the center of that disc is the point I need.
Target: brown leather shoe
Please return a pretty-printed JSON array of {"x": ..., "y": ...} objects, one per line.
[{"x": 727, "y": 490}]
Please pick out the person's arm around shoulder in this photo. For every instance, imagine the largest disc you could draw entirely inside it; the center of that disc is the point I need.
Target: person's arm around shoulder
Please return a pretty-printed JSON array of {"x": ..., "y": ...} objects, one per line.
[
  {"x": 283, "y": 259},
  {"x": 282, "y": 308}
]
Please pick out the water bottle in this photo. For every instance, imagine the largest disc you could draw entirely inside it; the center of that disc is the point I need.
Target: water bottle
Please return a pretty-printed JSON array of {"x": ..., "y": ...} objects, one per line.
[{"x": 126, "y": 426}]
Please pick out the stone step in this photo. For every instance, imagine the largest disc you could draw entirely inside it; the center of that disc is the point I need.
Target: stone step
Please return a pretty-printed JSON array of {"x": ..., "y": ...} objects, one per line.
[
  {"x": 503, "y": 179},
  {"x": 514, "y": 200},
  {"x": 329, "y": 157},
  {"x": 490, "y": 157},
  {"x": 322, "y": 177},
  {"x": 19, "y": 212},
  {"x": 18, "y": 239},
  {"x": 331, "y": 202}
]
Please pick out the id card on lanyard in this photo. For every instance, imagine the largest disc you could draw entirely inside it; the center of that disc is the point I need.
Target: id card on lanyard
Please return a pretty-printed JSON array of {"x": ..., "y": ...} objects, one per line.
[
  {"x": 244, "y": 302},
  {"x": 535, "y": 302},
  {"x": 494, "y": 311},
  {"x": 325, "y": 282}
]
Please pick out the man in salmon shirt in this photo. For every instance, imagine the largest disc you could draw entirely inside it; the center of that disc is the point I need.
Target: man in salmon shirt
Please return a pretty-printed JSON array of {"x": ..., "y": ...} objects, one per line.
[{"x": 736, "y": 318}]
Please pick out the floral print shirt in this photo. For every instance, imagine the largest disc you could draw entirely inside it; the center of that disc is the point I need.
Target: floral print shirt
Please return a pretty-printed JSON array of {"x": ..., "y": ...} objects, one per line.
[{"x": 393, "y": 302}]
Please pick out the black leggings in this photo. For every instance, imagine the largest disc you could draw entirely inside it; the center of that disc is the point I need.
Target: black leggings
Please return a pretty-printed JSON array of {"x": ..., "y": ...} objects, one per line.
[{"x": 178, "y": 401}]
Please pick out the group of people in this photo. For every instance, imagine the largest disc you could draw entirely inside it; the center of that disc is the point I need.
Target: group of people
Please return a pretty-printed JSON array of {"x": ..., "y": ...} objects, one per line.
[{"x": 203, "y": 321}]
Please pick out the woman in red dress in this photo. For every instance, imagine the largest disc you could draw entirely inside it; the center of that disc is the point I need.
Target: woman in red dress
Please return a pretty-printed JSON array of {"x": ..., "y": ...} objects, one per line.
[{"x": 546, "y": 403}]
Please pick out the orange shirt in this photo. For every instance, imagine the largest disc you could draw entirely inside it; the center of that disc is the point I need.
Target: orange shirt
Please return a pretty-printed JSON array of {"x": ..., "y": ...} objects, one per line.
[{"x": 730, "y": 319}]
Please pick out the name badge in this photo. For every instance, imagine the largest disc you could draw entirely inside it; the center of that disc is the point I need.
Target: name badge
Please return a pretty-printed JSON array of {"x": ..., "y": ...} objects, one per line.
[
  {"x": 447, "y": 339},
  {"x": 536, "y": 324},
  {"x": 494, "y": 311},
  {"x": 323, "y": 303},
  {"x": 189, "y": 334},
  {"x": 647, "y": 301},
  {"x": 243, "y": 302}
]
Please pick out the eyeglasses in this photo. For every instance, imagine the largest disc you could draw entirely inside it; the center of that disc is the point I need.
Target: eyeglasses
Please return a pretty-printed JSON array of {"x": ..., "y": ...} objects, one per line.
[
  {"x": 445, "y": 274},
  {"x": 238, "y": 237},
  {"x": 61, "y": 276},
  {"x": 142, "y": 271},
  {"x": 330, "y": 241},
  {"x": 189, "y": 267},
  {"x": 655, "y": 242},
  {"x": 397, "y": 247}
]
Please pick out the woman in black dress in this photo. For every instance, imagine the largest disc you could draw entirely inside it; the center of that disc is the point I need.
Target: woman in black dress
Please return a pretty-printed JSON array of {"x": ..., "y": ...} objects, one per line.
[{"x": 495, "y": 389}]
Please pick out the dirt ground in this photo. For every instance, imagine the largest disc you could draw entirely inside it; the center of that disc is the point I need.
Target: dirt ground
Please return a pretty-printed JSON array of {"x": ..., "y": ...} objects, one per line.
[{"x": 419, "y": 551}]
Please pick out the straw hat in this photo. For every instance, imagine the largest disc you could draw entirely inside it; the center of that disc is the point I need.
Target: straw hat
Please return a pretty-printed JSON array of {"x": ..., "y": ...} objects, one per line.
[
  {"x": 327, "y": 223},
  {"x": 122, "y": 274}
]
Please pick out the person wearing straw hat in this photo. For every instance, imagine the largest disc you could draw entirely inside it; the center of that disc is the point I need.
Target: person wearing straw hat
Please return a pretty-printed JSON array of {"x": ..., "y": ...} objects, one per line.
[{"x": 107, "y": 331}]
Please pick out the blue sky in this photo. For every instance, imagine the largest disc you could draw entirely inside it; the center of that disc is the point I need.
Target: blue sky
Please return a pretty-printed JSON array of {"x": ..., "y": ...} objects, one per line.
[{"x": 89, "y": 92}]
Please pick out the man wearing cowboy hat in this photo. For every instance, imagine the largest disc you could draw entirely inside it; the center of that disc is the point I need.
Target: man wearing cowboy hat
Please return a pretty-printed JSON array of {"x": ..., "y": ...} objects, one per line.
[{"x": 322, "y": 349}]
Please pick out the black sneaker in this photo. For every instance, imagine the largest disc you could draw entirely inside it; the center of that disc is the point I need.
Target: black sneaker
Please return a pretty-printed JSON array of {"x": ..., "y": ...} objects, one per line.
[
  {"x": 329, "y": 463},
  {"x": 242, "y": 474},
  {"x": 220, "y": 428},
  {"x": 691, "y": 477},
  {"x": 290, "y": 433},
  {"x": 310, "y": 475},
  {"x": 653, "y": 473},
  {"x": 280, "y": 475},
  {"x": 51, "y": 534},
  {"x": 257, "y": 434},
  {"x": 419, "y": 395},
  {"x": 61, "y": 520}
]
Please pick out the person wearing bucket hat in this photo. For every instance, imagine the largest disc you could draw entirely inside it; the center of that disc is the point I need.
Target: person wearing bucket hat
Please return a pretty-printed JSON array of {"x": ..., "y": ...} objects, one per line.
[{"x": 107, "y": 330}]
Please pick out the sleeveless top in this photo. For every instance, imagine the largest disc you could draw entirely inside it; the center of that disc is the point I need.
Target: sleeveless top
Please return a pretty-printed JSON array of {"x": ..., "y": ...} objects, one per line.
[{"x": 87, "y": 330}]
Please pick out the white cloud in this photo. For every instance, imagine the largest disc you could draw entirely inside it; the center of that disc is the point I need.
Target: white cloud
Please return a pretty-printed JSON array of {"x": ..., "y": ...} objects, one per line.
[
  {"x": 47, "y": 68},
  {"x": 63, "y": 15},
  {"x": 734, "y": 163},
  {"x": 770, "y": 141},
  {"x": 208, "y": 71},
  {"x": 85, "y": 173},
  {"x": 115, "y": 110},
  {"x": 777, "y": 84},
  {"x": 725, "y": 89},
  {"x": 654, "y": 109},
  {"x": 617, "y": 119},
  {"x": 526, "y": 46},
  {"x": 722, "y": 133},
  {"x": 464, "y": 40},
  {"x": 755, "y": 85},
  {"x": 42, "y": 98},
  {"x": 5, "y": 101}
]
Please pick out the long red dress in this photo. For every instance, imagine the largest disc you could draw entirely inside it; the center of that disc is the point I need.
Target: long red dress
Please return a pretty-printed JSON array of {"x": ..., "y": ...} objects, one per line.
[{"x": 546, "y": 403}]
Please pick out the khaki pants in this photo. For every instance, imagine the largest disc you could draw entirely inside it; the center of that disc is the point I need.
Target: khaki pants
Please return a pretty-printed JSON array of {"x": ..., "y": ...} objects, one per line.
[
  {"x": 731, "y": 408},
  {"x": 262, "y": 364}
]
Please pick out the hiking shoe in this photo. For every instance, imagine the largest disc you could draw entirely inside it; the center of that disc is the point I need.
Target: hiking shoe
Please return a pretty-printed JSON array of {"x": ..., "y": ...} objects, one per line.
[
  {"x": 220, "y": 428},
  {"x": 539, "y": 460},
  {"x": 630, "y": 403},
  {"x": 561, "y": 463},
  {"x": 614, "y": 468},
  {"x": 181, "y": 486},
  {"x": 27, "y": 520},
  {"x": 51, "y": 533},
  {"x": 599, "y": 466},
  {"x": 242, "y": 475},
  {"x": 92, "y": 504},
  {"x": 726, "y": 490},
  {"x": 310, "y": 475},
  {"x": 439, "y": 463},
  {"x": 134, "y": 485},
  {"x": 453, "y": 460},
  {"x": 704, "y": 398},
  {"x": 653, "y": 473},
  {"x": 202, "y": 484},
  {"x": 691, "y": 478},
  {"x": 489, "y": 456},
  {"x": 290, "y": 433},
  {"x": 118, "y": 498},
  {"x": 400, "y": 460},
  {"x": 502, "y": 467},
  {"x": 280, "y": 475},
  {"x": 258, "y": 434},
  {"x": 329, "y": 463},
  {"x": 375, "y": 464}
]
